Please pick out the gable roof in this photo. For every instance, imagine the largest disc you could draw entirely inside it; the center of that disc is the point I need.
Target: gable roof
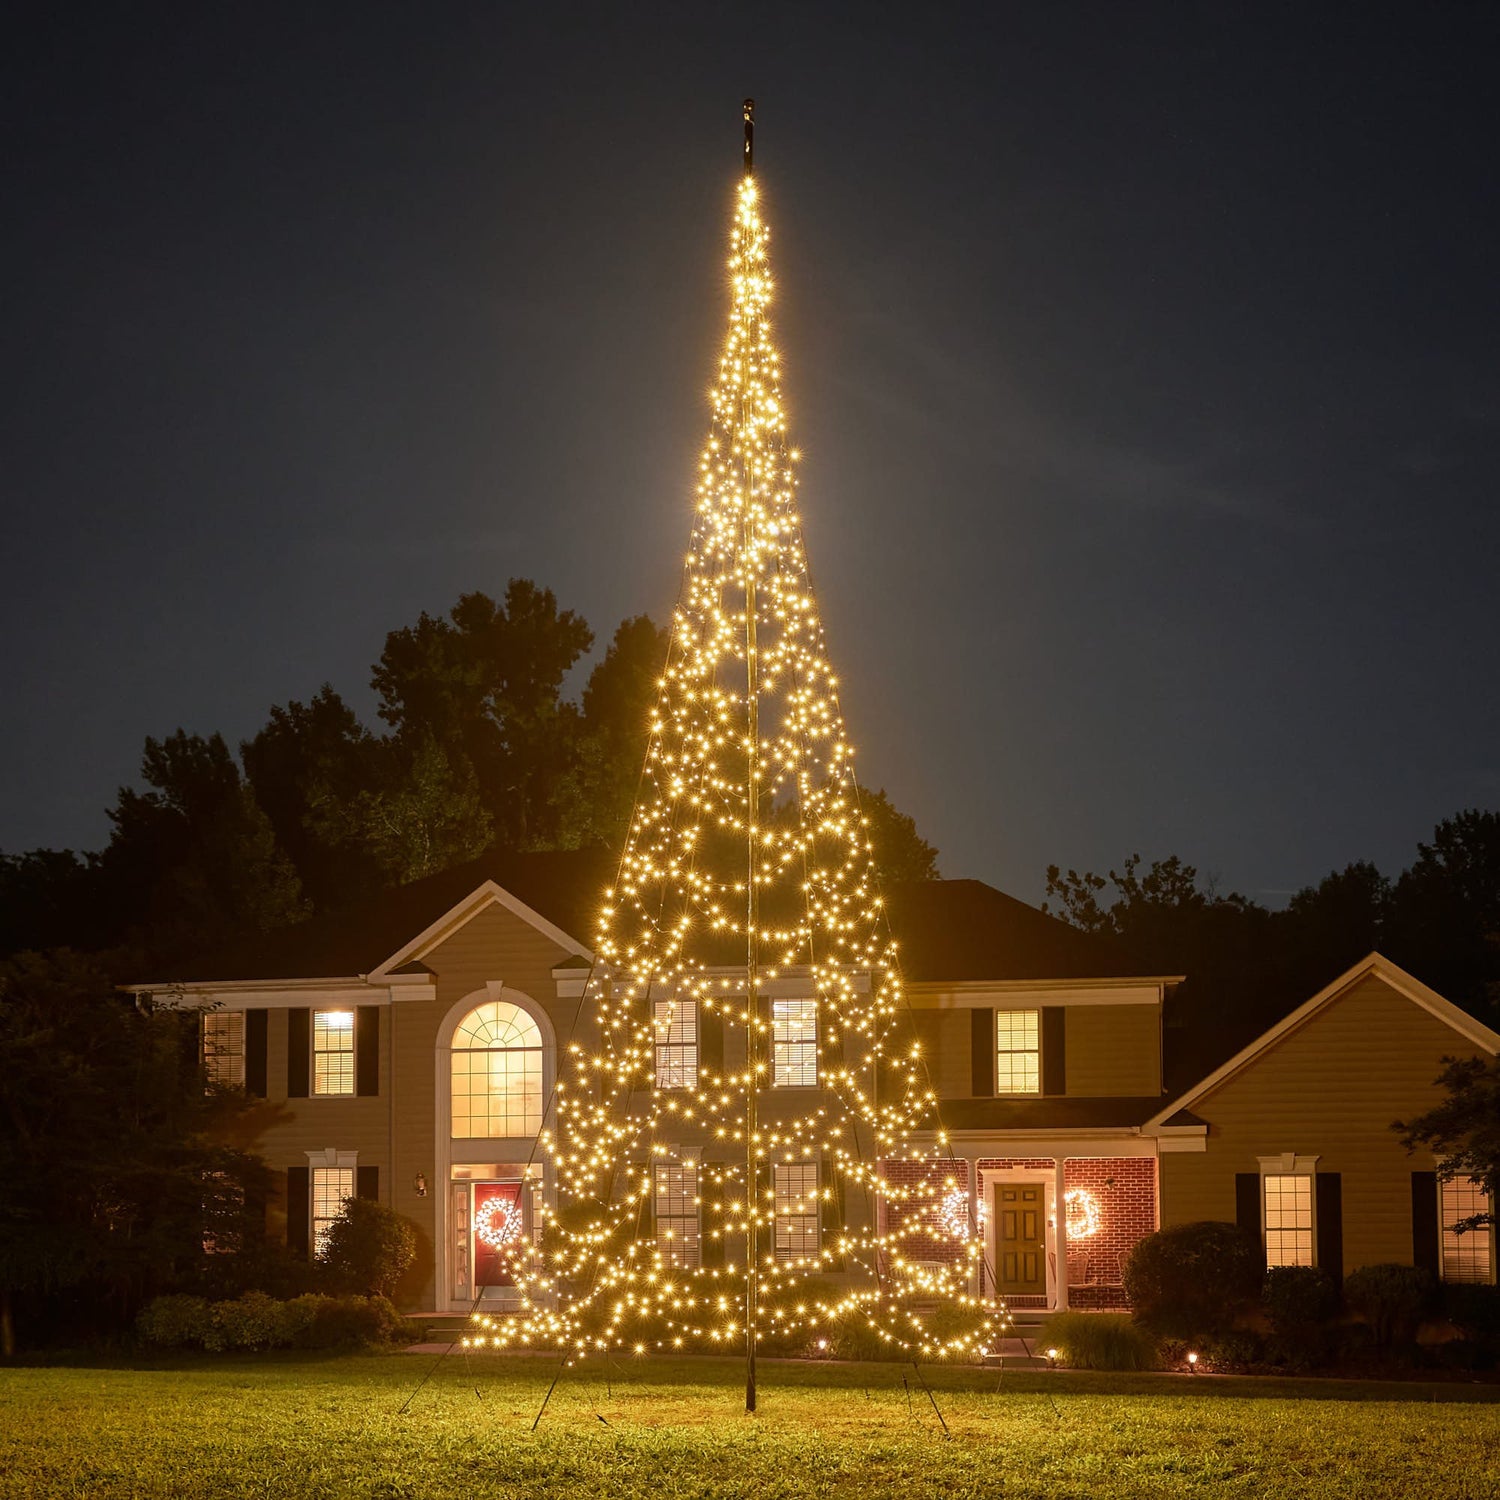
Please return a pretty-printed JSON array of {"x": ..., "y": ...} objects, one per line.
[
  {"x": 948, "y": 931},
  {"x": 1375, "y": 966}
]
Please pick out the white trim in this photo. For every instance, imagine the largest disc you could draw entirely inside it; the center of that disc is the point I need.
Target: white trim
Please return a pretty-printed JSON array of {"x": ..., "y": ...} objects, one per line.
[
  {"x": 1288, "y": 1164},
  {"x": 1035, "y": 994},
  {"x": 488, "y": 893},
  {"x": 1374, "y": 966},
  {"x": 288, "y": 994},
  {"x": 1170, "y": 1145}
]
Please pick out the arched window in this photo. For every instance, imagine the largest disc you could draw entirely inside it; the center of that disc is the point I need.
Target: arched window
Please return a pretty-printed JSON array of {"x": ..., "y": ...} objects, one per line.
[{"x": 497, "y": 1072}]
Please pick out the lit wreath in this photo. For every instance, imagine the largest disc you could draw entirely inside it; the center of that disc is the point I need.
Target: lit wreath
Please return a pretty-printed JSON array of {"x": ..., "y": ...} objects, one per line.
[
  {"x": 953, "y": 1214},
  {"x": 1082, "y": 1210},
  {"x": 498, "y": 1222}
]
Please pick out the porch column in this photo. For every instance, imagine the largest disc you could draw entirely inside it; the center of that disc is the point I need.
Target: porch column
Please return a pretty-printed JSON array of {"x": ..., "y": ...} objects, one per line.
[{"x": 1060, "y": 1235}]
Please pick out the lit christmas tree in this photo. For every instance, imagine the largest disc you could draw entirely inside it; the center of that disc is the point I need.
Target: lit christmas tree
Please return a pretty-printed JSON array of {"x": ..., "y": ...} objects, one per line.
[{"x": 720, "y": 1144}]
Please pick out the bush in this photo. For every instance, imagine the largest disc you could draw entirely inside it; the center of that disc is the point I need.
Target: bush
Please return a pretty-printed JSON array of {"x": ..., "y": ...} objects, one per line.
[
  {"x": 350, "y": 1323},
  {"x": 1475, "y": 1312},
  {"x": 369, "y": 1247},
  {"x": 1238, "y": 1349},
  {"x": 1300, "y": 1302},
  {"x": 1391, "y": 1299},
  {"x": 1193, "y": 1280},
  {"x": 251, "y": 1321},
  {"x": 1100, "y": 1341},
  {"x": 176, "y": 1322}
]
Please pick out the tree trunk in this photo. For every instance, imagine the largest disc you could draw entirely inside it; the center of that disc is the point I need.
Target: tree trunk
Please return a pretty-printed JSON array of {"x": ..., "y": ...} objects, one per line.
[{"x": 7, "y": 1326}]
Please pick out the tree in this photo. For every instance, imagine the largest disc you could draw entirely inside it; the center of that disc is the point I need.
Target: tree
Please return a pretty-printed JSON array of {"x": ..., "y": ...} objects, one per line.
[
  {"x": 485, "y": 684},
  {"x": 194, "y": 861},
  {"x": 901, "y": 853},
  {"x": 1463, "y": 1130},
  {"x": 369, "y": 1247},
  {"x": 107, "y": 1152},
  {"x": 307, "y": 758}
]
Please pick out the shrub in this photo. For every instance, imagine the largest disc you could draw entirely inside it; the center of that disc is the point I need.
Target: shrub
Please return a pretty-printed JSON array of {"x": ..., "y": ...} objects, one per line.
[
  {"x": 369, "y": 1247},
  {"x": 251, "y": 1321},
  {"x": 1475, "y": 1312},
  {"x": 1300, "y": 1302},
  {"x": 1391, "y": 1299},
  {"x": 350, "y": 1323},
  {"x": 1100, "y": 1341},
  {"x": 1236, "y": 1349},
  {"x": 176, "y": 1322},
  {"x": 1192, "y": 1280}
]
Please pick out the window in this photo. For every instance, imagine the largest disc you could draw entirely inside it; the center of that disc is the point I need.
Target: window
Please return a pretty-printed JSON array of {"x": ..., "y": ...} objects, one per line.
[
  {"x": 333, "y": 1052},
  {"x": 1288, "y": 1218},
  {"x": 331, "y": 1186},
  {"x": 497, "y": 1073},
  {"x": 675, "y": 1203},
  {"x": 794, "y": 1044},
  {"x": 1018, "y": 1052},
  {"x": 1468, "y": 1256},
  {"x": 795, "y": 1185},
  {"x": 224, "y": 1047},
  {"x": 676, "y": 1043}
]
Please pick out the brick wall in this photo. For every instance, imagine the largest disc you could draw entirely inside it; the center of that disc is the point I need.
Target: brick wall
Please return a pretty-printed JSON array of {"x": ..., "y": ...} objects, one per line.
[
  {"x": 917, "y": 1218},
  {"x": 1124, "y": 1191}
]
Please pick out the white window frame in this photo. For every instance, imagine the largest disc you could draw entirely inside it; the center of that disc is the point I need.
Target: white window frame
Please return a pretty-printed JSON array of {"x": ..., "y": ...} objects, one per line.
[
  {"x": 333, "y": 1082},
  {"x": 794, "y": 1043},
  {"x": 513, "y": 1072},
  {"x": 1464, "y": 1252},
  {"x": 797, "y": 1202},
  {"x": 676, "y": 1042},
  {"x": 1289, "y": 1164},
  {"x": 326, "y": 1163},
  {"x": 679, "y": 1233},
  {"x": 1005, "y": 1066},
  {"x": 222, "y": 1056}
]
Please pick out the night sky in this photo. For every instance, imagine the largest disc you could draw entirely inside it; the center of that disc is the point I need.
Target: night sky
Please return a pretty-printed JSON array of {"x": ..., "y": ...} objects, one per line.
[{"x": 1143, "y": 357}]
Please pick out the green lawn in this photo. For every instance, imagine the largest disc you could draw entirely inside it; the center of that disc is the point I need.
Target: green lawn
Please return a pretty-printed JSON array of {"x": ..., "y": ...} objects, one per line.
[{"x": 292, "y": 1427}]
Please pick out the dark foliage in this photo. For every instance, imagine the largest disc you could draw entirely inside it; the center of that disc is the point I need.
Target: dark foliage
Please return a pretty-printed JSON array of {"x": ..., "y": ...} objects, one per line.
[
  {"x": 1392, "y": 1299},
  {"x": 1300, "y": 1304},
  {"x": 369, "y": 1248},
  {"x": 1193, "y": 1280},
  {"x": 1463, "y": 1131}
]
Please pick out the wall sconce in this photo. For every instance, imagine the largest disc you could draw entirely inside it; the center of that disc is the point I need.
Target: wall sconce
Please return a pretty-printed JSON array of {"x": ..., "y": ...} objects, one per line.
[{"x": 420, "y": 1185}]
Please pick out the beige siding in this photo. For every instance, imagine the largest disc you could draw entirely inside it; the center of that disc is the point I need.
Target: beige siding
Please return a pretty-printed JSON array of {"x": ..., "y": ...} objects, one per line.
[
  {"x": 1330, "y": 1089},
  {"x": 1113, "y": 1049}
]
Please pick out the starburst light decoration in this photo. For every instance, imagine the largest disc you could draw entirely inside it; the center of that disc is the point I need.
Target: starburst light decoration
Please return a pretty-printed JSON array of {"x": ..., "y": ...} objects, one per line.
[{"x": 745, "y": 1070}]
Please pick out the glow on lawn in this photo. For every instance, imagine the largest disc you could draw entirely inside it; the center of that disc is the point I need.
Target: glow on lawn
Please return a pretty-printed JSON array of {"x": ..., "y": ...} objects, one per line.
[{"x": 731, "y": 716}]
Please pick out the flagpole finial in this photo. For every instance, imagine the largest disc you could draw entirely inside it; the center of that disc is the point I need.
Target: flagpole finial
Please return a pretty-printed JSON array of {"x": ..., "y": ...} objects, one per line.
[{"x": 749, "y": 135}]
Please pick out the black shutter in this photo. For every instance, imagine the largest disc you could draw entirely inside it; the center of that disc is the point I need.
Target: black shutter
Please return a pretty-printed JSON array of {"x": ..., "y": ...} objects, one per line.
[
  {"x": 1330, "y": 1190},
  {"x": 1424, "y": 1222},
  {"x": 834, "y": 1214},
  {"x": 298, "y": 1209},
  {"x": 711, "y": 1194},
  {"x": 710, "y": 1042},
  {"x": 982, "y": 1052},
  {"x": 1054, "y": 1050},
  {"x": 367, "y": 1182},
  {"x": 1247, "y": 1202},
  {"x": 298, "y": 1052},
  {"x": 367, "y": 1052},
  {"x": 255, "y": 1051}
]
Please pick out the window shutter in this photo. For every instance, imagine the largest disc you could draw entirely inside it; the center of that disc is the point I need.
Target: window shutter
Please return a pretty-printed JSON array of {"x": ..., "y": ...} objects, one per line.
[
  {"x": 298, "y": 1209},
  {"x": 645, "y": 1219},
  {"x": 1329, "y": 1187},
  {"x": 190, "y": 1026},
  {"x": 255, "y": 1052},
  {"x": 710, "y": 1041},
  {"x": 1424, "y": 1222},
  {"x": 367, "y": 1052},
  {"x": 367, "y": 1182},
  {"x": 1054, "y": 1050},
  {"x": 1247, "y": 1209},
  {"x": 833, "y": 1213},
  {"x": 982, "y": 1052},
  {"x": 710, "y": 1215},
  {"x": 298, "y": 1052}
]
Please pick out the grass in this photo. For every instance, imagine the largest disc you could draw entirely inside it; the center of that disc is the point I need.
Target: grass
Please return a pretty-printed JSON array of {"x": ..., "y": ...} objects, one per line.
[{"x": 294, "y": 1427}]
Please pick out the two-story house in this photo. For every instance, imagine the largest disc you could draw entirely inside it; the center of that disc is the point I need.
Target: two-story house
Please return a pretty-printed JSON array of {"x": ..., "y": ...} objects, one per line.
[{"x": 409, "y": 1051}]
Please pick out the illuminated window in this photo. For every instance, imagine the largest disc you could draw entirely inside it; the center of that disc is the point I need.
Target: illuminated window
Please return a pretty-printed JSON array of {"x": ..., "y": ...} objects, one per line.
[
  {"x": 1288, "y": 1218},
  {"x": 1018, "y": 1052},
  {"x": 795, "y": 1185},
  {"x": 331, "y": 1188},
  {"x": 794, "y": 1044},
  {"x": 676, "y": 1043},
  {"x": 333, "y": 1052},
  {"x": 1467, "y": 1256},
  {"x": 224, "y": 1047},
  {"x": 675, "y": 1201},
  {"x": 497, "y": 1073}
]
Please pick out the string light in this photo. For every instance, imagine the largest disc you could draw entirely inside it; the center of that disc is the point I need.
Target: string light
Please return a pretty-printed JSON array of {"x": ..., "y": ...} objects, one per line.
[
  {"x": 763, "y": 1123},
  {"x": 1082, "y": 1213}
]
